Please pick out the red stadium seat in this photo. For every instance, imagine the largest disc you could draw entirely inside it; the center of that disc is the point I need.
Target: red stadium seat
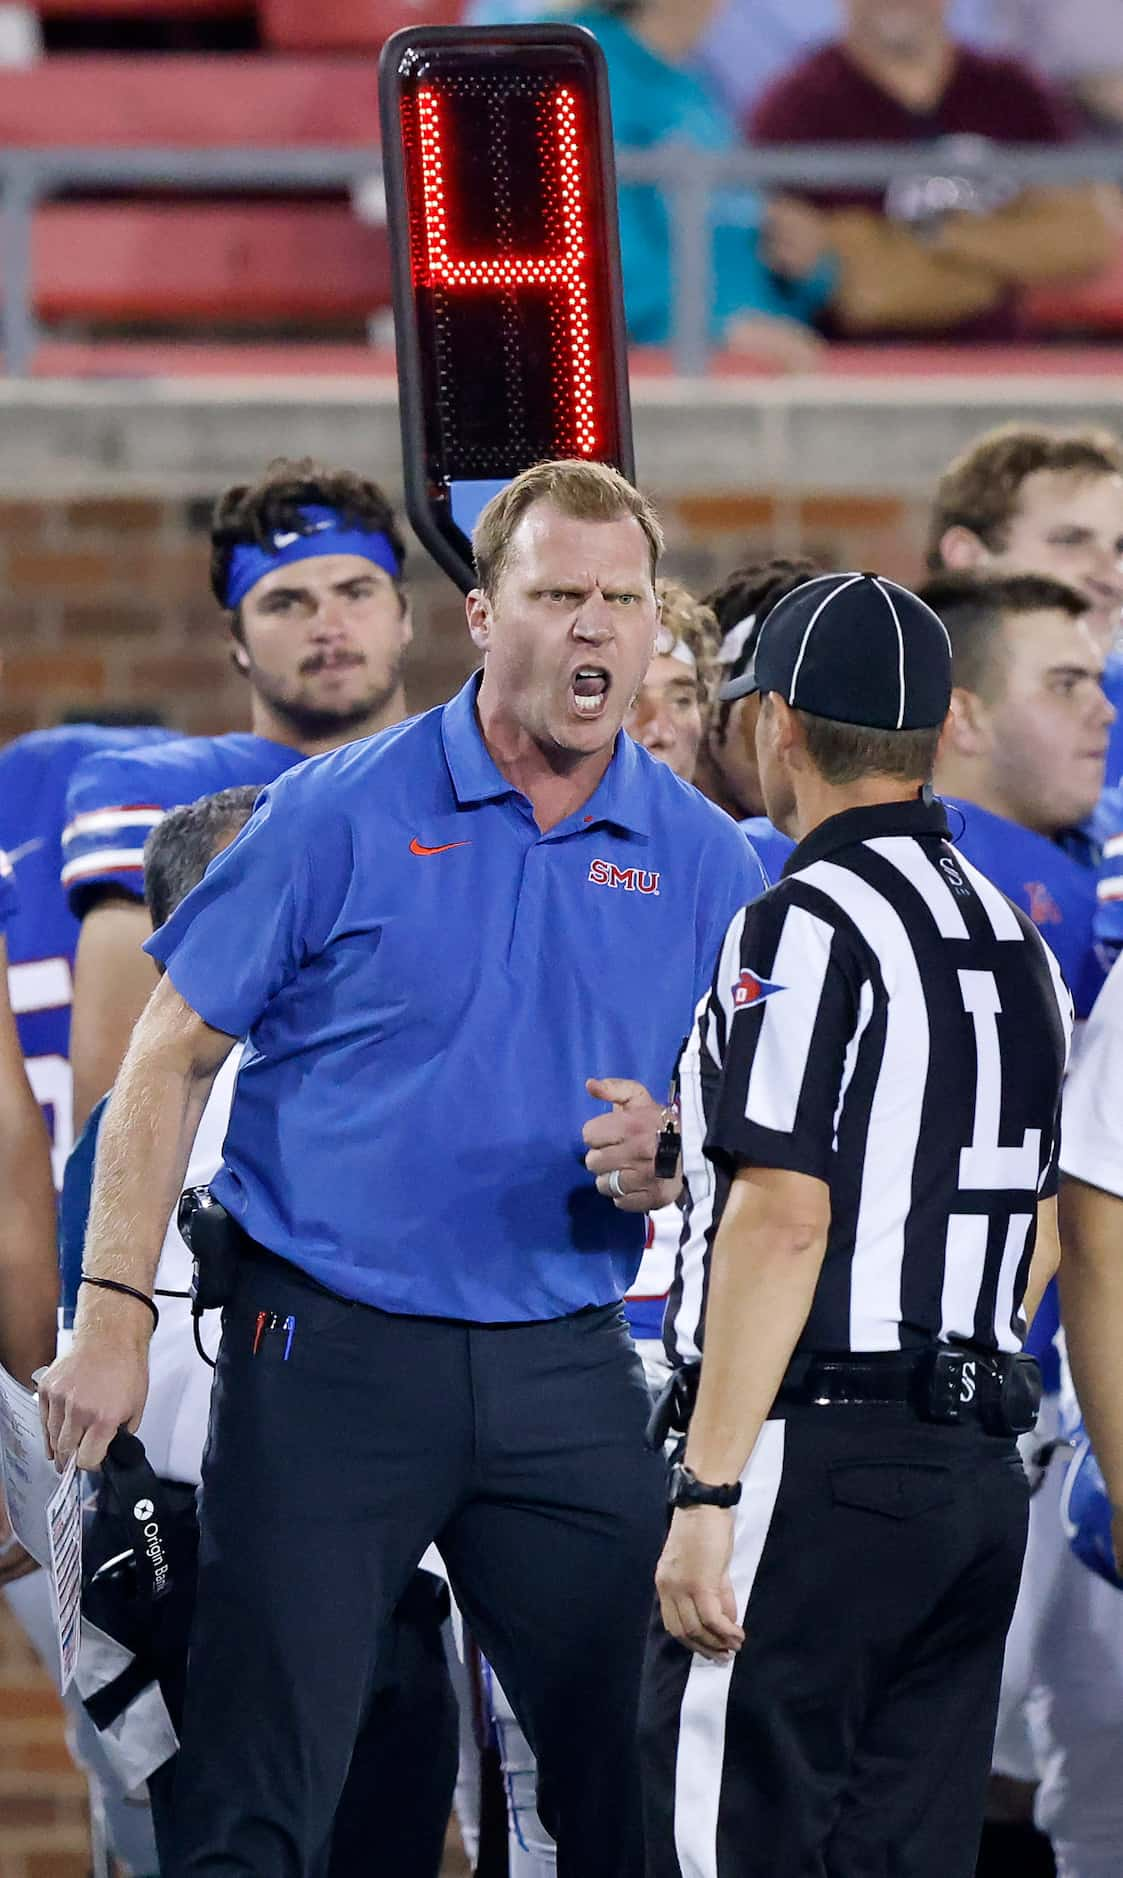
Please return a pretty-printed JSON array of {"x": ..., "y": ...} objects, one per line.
[
  {"x": 346, "y": 25},
  {"x": 214, "y": 264},
  {"x": 190, "y": 101},
  {"x": 141, "y": 9},
  {"x": 1090, "y": 306}
]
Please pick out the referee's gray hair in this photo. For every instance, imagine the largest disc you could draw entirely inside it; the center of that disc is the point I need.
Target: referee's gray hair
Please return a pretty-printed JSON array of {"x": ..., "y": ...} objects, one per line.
[{"x": 181, "y": 847}]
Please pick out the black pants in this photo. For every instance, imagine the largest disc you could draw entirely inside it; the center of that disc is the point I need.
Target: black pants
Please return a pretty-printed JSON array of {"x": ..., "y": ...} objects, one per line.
[
  {"x": 876, "y": 1563},
  {"x": 400, "y": 1784},
  {"x": 520, "y": 1450}
]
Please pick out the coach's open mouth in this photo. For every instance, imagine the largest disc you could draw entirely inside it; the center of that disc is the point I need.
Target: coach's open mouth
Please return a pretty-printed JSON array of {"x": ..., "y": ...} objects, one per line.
[{"x": 590, "y": 686}]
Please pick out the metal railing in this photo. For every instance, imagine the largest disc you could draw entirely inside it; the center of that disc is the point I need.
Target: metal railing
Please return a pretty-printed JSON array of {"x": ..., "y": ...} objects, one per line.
[{"x": 28, "y": 177}]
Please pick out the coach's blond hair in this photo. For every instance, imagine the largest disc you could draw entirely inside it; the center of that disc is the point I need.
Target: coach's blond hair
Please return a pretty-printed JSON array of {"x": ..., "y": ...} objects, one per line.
[{"x": 586, "y": 492}]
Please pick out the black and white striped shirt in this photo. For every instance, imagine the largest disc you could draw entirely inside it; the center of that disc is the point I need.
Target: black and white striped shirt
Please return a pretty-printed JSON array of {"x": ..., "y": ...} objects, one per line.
[{"x": 886, "y": 1021}]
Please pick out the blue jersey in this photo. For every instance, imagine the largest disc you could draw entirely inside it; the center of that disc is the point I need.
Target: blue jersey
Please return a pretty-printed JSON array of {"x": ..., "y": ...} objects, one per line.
[
  {"x": 1054, "y": 885},
  {"x": 1103, "y": 841},
  {"x": 117, "y": 798},
  {"x": 35, "y": 774},
  {"x": 1112, "y": 682},
  {"x": 772, "y": 848},
  {"x": 9, "y": 898}
]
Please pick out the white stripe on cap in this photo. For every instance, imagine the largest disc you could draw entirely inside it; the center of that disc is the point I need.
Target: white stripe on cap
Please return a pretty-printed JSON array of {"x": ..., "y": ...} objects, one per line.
[
  {"x": 900, "y": 650},
  {"x": 810, "y": 627},
  {"x": 885, "y": 582}
]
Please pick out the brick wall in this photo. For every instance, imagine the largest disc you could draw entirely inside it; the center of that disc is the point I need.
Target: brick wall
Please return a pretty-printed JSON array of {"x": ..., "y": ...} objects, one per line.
[
  {"x": 105, "y": 599},
  {"x": 44, "y": 1830}
]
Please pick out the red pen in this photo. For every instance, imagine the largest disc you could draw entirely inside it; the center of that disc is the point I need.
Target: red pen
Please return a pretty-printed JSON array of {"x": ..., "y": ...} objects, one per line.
[{"x": 261, "y": 1321}]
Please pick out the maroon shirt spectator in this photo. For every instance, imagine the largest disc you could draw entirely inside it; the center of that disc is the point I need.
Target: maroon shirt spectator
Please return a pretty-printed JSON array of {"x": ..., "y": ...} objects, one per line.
[{"x": 897, "y": 77}]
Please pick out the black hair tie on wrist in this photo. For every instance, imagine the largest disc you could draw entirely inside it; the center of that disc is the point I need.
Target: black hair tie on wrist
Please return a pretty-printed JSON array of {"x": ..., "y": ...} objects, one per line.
[{"x": 128, "y": 1291}]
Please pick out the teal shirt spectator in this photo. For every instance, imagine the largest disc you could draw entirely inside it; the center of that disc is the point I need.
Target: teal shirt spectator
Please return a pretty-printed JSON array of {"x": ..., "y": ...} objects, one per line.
[
  {"x": 748, "y": 43},
  {"x": 655, "y": 103}
]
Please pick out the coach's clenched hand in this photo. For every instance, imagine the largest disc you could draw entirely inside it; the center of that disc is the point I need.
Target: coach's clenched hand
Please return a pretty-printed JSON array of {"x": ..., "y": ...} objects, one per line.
[
  {"x": 98, "y": 1387},
  {"x": 622, "y": 1146}
]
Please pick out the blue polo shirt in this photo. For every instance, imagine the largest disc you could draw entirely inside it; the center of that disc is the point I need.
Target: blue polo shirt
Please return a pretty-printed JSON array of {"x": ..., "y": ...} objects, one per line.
[{"x": 426, "y": 980}]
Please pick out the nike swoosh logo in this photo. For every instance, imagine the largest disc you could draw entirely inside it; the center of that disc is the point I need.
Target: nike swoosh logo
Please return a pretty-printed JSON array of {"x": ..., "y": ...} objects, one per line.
[
  {"x": 25, "y": 847},
  {"x": 286, "y": 540},
  {"x": 416, "y": 847}
]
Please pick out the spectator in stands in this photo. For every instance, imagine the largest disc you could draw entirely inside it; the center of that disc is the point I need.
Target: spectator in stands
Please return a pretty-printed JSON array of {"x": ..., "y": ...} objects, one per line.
[
  {"x": 657, "y": 100},
  {"x": 670, "y": 708},
  {"x": 949, "y": 246},
  {"x": 753, "y": 42},
  {"x": 748, "y": 43},
  {"x": 726, "y": 769}
]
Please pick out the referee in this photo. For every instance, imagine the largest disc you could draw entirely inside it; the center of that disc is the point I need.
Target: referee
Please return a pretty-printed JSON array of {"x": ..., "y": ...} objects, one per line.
[{"x": 869, "y": 1099}]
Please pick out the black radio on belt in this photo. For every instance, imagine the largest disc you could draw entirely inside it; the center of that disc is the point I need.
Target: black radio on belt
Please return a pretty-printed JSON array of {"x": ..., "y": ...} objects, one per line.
[
  {"x": 213, "y": 1240},
  {"x": 1003, "y": 1393}
]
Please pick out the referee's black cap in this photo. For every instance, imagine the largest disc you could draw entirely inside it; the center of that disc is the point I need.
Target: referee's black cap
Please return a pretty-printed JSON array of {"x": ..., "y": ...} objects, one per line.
[{"x": 856, "y": 648}]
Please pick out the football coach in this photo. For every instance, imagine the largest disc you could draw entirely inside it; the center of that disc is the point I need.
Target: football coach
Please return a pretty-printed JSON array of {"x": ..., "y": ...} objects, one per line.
[{"x": 447, "y": 945}]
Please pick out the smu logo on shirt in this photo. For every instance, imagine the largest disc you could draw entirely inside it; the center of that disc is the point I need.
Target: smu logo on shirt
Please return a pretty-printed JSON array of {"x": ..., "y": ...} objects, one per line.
[
  {"x": 750, "y": 990},
  {"x": 632, "y": 879},
  {"x": 1043, "y": 909}
]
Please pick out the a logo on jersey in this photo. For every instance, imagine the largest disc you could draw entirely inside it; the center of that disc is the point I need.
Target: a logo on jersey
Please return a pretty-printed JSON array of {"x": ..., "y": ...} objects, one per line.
[
  {"x": 1043, "y": 909},
  {"x": 632, "y": 879},
  {"x": 750, "y": 990}
]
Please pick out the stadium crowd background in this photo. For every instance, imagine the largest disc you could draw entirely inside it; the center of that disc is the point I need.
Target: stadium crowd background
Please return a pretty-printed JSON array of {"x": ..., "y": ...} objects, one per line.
[{"x": 185, "y": 336}]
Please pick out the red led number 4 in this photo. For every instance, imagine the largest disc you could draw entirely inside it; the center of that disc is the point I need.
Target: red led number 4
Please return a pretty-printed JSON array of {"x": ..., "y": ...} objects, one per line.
[{"x": 565, "y": 270}]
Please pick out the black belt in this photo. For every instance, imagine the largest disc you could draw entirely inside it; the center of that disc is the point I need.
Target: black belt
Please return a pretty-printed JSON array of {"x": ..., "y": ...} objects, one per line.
[{"x": 940, "y": 1384}]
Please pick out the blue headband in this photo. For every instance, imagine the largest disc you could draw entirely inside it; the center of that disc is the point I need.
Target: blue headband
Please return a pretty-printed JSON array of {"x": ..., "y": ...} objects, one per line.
[{"x": 326, "y": 533}]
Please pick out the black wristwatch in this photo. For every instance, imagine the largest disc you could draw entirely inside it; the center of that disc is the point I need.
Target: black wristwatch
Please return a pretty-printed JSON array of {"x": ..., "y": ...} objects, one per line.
[{"x": 687, "y": 1490}]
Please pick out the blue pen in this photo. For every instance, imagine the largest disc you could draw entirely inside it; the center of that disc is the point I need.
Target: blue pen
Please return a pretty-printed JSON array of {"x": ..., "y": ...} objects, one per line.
[{"x": 290, "y": 1331}]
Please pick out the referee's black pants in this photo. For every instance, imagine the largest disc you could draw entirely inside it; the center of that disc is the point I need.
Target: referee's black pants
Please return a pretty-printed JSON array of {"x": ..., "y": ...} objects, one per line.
[
  {"x": 519, "y": 1449},
  {"x": 876, "y": 1563}
]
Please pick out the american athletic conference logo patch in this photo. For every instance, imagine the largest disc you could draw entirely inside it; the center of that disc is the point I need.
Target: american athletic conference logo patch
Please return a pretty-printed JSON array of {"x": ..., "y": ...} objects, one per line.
[
  {"x": 1043, "y": 909},
  {"x": 750, "y": 990}
]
